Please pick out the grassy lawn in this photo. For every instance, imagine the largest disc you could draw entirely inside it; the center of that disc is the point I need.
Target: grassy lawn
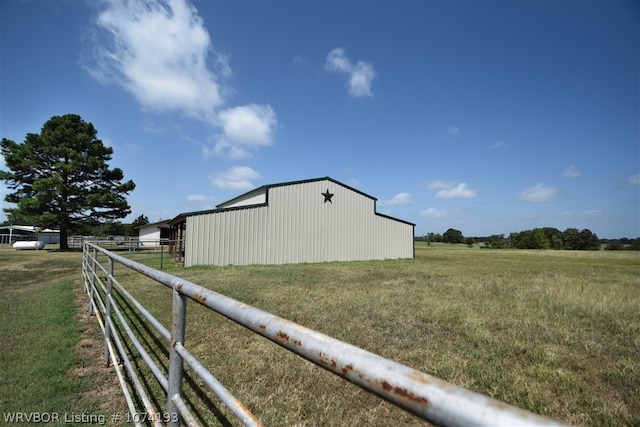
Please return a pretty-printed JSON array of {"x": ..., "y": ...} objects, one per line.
[
  {"x": 51, "y": 351},
  {"x": 554, "y": 332}
]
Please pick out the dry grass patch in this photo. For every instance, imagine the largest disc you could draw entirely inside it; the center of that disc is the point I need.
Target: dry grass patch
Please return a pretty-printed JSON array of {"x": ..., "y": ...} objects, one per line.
[{"x": 556, "y": 333}]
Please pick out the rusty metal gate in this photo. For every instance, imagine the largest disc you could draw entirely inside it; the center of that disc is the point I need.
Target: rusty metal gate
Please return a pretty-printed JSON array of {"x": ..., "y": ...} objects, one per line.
[{"x": 425, "y": 396}]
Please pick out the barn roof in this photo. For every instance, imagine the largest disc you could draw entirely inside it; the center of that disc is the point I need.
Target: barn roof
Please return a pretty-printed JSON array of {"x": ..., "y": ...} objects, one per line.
[
  {"x": 221, "y": 207},
  {"x": 28, "y": 228},
  {"x": 158, "y": 223}
]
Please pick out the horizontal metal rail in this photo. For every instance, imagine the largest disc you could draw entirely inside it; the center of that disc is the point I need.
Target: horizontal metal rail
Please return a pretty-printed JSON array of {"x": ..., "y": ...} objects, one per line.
[
  {"x": 428, "y": 397},
  {"x": 93, "y": 283},
  {"x": 113, "y": 337}
]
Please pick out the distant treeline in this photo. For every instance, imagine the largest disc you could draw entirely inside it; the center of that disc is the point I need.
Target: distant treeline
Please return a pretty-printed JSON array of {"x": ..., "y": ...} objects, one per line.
[
  {"x": 111, "y": 228},
  {"x": 537, "y": 238}
]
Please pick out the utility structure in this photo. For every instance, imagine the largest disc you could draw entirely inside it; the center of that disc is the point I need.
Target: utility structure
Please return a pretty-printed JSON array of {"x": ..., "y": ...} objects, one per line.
[{"x": 314, "y": 220}]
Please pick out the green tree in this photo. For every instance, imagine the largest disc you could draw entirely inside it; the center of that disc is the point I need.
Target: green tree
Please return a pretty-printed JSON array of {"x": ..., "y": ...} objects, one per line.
[
  {"x": 540, "y": 240},
  {"x": 60, "y": 178},
  {"x": 433, "y": 237},
  {"x": 615, "y": 245},
  {"x": 453, "y": 236},
  {"x": 580, "y": 240},
  {"x": 470, "y": 241},
  {"x": 495, "y": 241},
  {"x": 522, "y": 239},
  {"x": 139, "y": 221},
  {"x": 111, "y": 228},
  {"x": 553, "y": 236},
  {"x": 588, "y": 241},
  {"x": 570, "y": 238},
  {"x": 531, "y": 239}
]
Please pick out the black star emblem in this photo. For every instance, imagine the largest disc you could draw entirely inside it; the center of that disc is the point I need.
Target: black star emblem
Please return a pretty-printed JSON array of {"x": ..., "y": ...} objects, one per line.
[{"x": 327, "y": 196}]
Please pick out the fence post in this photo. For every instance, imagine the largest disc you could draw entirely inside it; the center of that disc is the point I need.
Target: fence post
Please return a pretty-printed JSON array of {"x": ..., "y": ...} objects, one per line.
[
  {"x": 85, "y": 256},
  {"x": 92, "y": 281},
  {"x": 176, "y": 367},
  {"x": 107, "y": 316}
]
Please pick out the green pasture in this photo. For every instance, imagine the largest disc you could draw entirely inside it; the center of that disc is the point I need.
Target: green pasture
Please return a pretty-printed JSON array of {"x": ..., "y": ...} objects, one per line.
[
  {"x": 554, "y": 332},
  {"x": 51, "y": 365}
]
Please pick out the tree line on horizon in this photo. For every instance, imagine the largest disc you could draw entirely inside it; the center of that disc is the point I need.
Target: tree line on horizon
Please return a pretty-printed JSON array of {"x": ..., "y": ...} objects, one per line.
[{"x": 537, "y": 238}]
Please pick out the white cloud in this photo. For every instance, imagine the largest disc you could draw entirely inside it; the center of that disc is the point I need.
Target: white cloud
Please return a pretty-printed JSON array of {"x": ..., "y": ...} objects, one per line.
[
  {"x": 497, "y": 145},
  {"x": 433, "y": 213},
  {"x": 454, "y": 130},
  {"x": 200, "y": 198},
  {"x": 571, "y": 172},
  {"x": 398, "y": 200},
  {"x": 451, "y": 190},
  {"x": 437, "y": 185},
  {"x": 634, "y": 180},
  {"x": 539, "y": 193},
  {"x": 360, "y": 75},
  {"x": 460, "y": 191},
  {"x": 244, "y": 128},
  {"x": 236, "y": 178},
  {"x": 159, "y": 51},
  {"x": 202, "y": 201}
]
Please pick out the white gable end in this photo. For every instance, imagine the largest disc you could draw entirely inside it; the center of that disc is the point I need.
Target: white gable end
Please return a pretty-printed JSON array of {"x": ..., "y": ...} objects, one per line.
[{"x": 254, "y": 197}]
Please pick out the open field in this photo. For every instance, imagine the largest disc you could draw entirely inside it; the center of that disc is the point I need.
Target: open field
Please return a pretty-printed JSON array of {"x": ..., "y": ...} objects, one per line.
[{"x": 554, "y": 332}]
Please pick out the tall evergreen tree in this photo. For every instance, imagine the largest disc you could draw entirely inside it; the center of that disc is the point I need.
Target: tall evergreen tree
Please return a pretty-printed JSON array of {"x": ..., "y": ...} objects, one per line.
[
  {"x": 139, "y": 221},
  {"x": 61, "y": 178}
]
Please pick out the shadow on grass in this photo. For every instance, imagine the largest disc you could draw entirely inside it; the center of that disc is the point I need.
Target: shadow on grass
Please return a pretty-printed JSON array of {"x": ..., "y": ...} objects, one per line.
[{"x": 196, "y": 395}]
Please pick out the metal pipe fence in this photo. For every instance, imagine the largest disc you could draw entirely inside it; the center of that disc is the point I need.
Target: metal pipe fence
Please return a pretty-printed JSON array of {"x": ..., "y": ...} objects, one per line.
[
  {"x": 130, "y": 243},
  {"x": 425, "y": 396}
]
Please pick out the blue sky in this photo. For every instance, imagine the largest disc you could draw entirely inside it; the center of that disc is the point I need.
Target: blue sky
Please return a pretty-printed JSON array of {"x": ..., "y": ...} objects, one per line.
[{"x": 490, "y": 117}]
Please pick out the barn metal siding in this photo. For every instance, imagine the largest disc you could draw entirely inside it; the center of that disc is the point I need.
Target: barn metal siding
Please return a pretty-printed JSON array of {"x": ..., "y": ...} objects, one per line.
[
  {"x": 296, "y": 226},
  {"x": 305, "y": 228},
  {"x": 227, "y": 237}
]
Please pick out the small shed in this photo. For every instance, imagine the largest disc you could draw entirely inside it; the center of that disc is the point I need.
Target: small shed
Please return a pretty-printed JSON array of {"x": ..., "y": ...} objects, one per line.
[
  {"x": 314, "y": 220},
  {"x": 154, "y": 234},
  {"x": 9, "y": 233}
]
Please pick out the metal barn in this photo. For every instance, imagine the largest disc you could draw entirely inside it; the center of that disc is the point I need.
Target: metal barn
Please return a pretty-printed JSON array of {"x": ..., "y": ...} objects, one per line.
[{"x": 314, "y": 220}]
